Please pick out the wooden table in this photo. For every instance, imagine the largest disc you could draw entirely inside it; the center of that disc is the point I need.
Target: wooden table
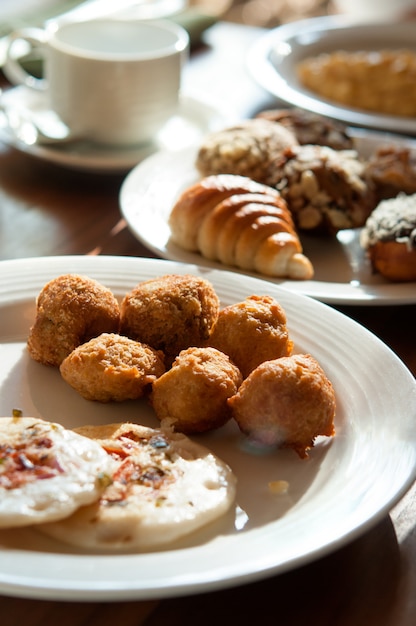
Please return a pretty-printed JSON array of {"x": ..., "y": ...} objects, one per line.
[{"x": 48, "y": 210}]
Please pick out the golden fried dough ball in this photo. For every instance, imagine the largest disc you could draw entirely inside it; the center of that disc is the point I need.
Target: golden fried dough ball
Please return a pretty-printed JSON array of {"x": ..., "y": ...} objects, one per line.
[
  {"x": 193, "y": 394},
  {"x": 252, "y": 331},
  {"x": 170, "y": 313},
  {"x": 70, "y": 310},
  {"x": 286, "y": 402},
  {"x": 111, "y": 367}
]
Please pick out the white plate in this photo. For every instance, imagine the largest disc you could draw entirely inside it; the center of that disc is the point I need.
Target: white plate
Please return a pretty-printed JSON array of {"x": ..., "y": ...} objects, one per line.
[
  {"x": 272, "y": 62},
  {"x": 342, "y": 272},
  {"x": 347, "y": 485},
  {"x": 193, "y": 120}
]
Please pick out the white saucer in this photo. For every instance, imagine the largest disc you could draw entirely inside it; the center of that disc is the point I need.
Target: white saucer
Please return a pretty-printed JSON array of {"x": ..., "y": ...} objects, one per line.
[{"x": 193, "y": 120}]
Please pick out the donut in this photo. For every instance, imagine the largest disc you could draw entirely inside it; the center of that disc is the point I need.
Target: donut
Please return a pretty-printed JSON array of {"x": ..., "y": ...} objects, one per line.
[{"x": 389, "y": 237}]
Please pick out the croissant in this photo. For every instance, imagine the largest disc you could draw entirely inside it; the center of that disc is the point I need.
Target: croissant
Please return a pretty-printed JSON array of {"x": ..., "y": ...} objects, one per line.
[{"x": 237, "y": 221}]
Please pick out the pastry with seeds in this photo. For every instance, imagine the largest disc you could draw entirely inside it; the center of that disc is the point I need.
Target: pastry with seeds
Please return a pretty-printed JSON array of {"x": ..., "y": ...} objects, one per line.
[
  {"x": 326, "y": 190},
  {"x": 244, "y": 149},
  {"x": 389, "y": 237}
]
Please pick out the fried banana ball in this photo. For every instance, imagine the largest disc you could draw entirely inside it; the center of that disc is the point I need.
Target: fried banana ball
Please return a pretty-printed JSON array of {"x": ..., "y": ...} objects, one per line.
[
  {"x": 251, "y": 332},
  {"x": 193, "y": 394},
  {"x": 70, "y": 310},
  {"x": 286, "y": 402},
  {"x": 170, "y": 313},
  {"x": 111, "y": 367}
]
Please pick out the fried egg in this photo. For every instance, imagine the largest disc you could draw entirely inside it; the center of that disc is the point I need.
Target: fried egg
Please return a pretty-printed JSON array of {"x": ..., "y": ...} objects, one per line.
[
  {"x": 46, "y": 471},
  {"x": 163, "y": 486}
]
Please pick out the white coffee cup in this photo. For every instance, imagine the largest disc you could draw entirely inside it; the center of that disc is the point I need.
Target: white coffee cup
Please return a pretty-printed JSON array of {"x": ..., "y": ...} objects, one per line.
[{"x": 111, "y": 81}]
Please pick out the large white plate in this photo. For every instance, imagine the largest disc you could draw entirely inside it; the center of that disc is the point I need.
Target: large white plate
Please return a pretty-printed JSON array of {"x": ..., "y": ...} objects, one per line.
[
  {"x": 192, "y": 121},
  {"x": 272, "y": 62},
  {"x": 342, "y": 272},
  {"x": 347, "y": 485}
]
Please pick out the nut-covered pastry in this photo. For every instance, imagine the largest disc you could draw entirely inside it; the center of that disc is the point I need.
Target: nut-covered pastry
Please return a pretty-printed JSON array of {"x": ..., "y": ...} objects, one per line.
[
  {"x": 392, "y": 170},
  {"x": 70, "y": 310},
  {"x": 287, "y": 402},
  {"x": 112, "y": 368},
  {"x": 192, "y": 395},
  {"x": 244, "y": 149},
  {"x": 170, "y": 313},
  {"x": 311, "y": 128},
  {"x": 251, "y": 332},
  {"x": 325, "y": 189},
  {"x": 389, "y": 237}
]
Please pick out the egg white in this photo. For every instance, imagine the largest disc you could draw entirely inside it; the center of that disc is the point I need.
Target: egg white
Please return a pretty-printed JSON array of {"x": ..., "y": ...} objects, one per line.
[
  {"x": 198, "y": 489},
  {"x": 82, "y": 463}
]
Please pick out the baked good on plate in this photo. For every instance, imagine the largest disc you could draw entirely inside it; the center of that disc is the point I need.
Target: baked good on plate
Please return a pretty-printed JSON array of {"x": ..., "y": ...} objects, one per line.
[
  {"x": 311, "y": 128},
  {"x": 243, "y": 149},
  {"x": 392, "y": 169},
  {"x": 374, "y": 80},
  {"x": 326, "y": 190},
  {"x": 235, "y": 220},
  {"x": 389, "y": 237}
]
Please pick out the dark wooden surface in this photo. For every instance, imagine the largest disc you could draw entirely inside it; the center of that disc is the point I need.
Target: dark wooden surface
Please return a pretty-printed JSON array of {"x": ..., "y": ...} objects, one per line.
[{"x": 48, "y": 210}]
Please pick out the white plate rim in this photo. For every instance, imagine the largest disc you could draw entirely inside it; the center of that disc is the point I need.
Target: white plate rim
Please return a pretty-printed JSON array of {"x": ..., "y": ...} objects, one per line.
[
  {"x": 199, "y": 115},
  {"x": 61, "y": 576},
  {"x": 284, "y": 84},
  {"x": 145, "y": 201}
]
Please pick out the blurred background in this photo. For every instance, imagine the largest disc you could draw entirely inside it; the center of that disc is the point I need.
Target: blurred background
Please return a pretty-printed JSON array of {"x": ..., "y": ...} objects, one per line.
[
  {"x": 266, "y": 13},
  {"x": 262, "y": 13}
]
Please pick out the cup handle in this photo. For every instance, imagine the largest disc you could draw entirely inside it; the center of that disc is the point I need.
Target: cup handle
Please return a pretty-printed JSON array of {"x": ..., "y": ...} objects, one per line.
[{"x": 35, "y": 38}]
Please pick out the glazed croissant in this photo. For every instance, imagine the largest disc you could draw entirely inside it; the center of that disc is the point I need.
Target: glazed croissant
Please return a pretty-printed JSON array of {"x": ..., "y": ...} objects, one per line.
[{"x": 239, "y": 222}]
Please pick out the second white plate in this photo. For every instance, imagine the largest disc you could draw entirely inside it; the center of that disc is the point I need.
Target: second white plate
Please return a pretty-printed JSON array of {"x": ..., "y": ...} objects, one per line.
[{"x": 342, "y": 272}]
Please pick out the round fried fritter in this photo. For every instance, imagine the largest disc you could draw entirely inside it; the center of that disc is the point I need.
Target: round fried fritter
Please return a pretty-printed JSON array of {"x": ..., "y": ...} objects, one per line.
[
  {"x": 70, "y": 310},
  {"x": 170, "y": 313},
  {"x": 252, "y": 331},
  {"x": 193, "y": 394},
  {"x": 111, "y": 367},
  {"x": 286, "y": 402}
]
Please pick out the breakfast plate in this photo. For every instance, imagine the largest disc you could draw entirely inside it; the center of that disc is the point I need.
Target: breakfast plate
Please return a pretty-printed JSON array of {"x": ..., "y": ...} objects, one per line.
[
  {"x": 193, "y": 120},
  {"x": 273, "y": 58},
  {"x": 342, "y": 272},
  {"x": 347, "y": 484}
]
